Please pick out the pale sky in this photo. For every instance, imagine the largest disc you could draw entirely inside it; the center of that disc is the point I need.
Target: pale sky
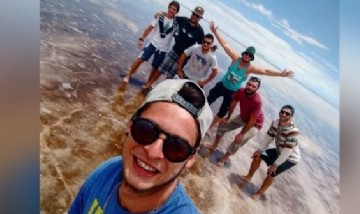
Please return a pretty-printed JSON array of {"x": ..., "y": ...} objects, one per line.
[{"x": 300, "y": 35}]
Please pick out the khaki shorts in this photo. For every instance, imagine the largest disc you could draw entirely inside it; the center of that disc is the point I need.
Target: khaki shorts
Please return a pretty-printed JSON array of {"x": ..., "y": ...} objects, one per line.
[{"x": 233, "y": 124}]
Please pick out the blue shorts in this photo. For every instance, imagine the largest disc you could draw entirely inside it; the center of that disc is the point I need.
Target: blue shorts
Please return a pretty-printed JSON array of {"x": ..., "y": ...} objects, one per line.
[
  {"x": 150, "y": 50},
  {"x": 270, "y": 156}
]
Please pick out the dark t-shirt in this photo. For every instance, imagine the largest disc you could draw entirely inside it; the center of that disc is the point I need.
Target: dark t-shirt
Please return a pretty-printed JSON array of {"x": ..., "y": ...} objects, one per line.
[
  {"x": 186, "y": 35},
  {"x": 248, "y": 106}
]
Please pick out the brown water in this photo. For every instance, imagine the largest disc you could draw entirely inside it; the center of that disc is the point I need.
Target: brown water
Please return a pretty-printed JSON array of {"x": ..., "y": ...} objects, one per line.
[{"x": 84, "y": 46}]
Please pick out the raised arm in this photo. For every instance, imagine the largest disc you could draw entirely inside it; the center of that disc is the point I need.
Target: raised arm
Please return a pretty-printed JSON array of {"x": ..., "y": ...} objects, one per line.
[
  {"x": 230, "y": 52},
  {"x": 159, "y": 13}
]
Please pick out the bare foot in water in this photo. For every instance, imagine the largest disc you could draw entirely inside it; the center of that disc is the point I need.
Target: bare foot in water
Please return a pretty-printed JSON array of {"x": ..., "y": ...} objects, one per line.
[
  {"x": 221, "y": 162},
  {"x": 246, "y": 178},
  {"x": 209, "y": 149},
  {"x": 256, "y": 196},
  {"x": 126, "y": 79}
]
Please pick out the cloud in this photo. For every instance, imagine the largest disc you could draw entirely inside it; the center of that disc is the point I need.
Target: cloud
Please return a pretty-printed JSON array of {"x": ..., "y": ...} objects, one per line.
[
  {"x": 285, "y": 26},
  {"x": 272, "y": 50},
  {"x": 260, "y": 8},
  {"x": 296, "y": 36}
]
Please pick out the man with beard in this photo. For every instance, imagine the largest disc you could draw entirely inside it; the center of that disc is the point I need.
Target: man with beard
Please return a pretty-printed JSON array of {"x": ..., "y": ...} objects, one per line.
[
  {"x": 163, "y": 137},
  {"x": 251, "y": 119},
  {"x": 284, "y": 156},
  {"x": 236, "y": 74},
  {"x": 189, "y": 32},
  {"x": 201, "y": 60}
]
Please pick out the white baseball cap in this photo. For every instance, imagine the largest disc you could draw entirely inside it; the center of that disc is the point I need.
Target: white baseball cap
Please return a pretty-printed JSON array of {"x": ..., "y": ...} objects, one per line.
[{"x": 168, "y": 89}]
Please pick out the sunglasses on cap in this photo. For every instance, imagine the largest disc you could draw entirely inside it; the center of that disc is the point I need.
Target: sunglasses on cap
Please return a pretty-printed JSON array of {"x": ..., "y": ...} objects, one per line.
[
  {"x": 255, "y": 79},
  {"x": 175, "y": 149},
  {"x": 285, "y": 113},
  {"x": 196, "y": 15}
]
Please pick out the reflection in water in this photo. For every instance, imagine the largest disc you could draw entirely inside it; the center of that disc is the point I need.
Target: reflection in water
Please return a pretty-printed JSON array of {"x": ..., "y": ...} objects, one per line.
[{"x": 86, "y": 48}]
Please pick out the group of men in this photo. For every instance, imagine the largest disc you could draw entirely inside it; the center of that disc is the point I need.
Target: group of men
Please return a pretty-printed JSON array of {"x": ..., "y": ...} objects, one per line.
[{"x": 145, "y": 178}]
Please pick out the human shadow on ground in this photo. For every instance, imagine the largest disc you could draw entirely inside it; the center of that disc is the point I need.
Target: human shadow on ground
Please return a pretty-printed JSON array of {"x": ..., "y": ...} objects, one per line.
[
  {"x": 214, "y": 157},
  {"x": 133, "y": 81},
  {"x": 248, "y": 188}
]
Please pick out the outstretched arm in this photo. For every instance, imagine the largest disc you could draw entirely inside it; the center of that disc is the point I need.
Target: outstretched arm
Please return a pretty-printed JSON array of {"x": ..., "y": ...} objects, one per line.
[
  {"x": 269, "y": 72},
  {"x": 231, "y": 53}
]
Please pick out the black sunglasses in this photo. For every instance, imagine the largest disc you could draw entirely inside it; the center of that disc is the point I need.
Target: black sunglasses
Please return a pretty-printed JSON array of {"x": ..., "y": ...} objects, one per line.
[
  {"x": 175, "y": 149},
  {"x": 255, "y": 79},
  {"x": 285, "y": 113},
  {"x": 250, "y": 55},
  {"x": 196, "y": 15}
]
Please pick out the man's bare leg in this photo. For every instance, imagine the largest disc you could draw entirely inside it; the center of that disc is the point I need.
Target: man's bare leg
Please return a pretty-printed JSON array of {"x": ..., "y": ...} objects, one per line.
[
  {"x": 215, "y": 144},
  {"x": 223, "y": 159},
  {"x": 255, "y": 164},
  {"x": 152, "y": 78},
  {"x": 153, "y": 71},
  {"x": 266, "y": 184},
  {"x": 133, "y": 69},
  {"x": 214, "y": 122}
]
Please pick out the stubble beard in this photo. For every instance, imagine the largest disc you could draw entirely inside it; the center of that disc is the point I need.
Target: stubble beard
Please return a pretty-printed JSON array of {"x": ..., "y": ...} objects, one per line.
[
  {"x": 193, "y": 22},
  {"x": 248, "y": 92},
  {"x": 153, "y": 189}
]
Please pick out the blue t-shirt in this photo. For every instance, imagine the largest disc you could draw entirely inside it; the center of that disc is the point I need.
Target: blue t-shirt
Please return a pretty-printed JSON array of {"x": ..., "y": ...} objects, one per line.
[{"x": 99, "y": 193}]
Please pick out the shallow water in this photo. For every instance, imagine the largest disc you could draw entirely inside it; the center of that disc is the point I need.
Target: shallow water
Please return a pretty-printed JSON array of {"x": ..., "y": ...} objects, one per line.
[{"x": 87, "y": 46}]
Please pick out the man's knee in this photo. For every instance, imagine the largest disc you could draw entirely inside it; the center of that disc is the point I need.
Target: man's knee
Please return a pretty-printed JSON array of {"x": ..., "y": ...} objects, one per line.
[{"x": 222, "y": 111}]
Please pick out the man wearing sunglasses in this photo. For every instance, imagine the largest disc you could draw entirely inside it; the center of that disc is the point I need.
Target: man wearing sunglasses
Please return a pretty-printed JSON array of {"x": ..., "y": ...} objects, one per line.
[
  {"x": 284, "y": 156},
  {"x": 189, "y": 32},
  {"x": 251, "y": 119},
  {"x": 201, "y": 60},
  {"x": 237, "y": 73},
  {"x": 163, "y": 137}
]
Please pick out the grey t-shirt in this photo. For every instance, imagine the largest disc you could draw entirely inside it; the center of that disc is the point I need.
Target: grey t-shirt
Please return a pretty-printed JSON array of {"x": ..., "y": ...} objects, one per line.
[{"x": 199, "y": 65}]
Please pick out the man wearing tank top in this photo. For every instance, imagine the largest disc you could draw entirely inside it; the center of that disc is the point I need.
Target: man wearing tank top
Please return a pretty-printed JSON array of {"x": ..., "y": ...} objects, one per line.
[{"x": 236, "y": 74}]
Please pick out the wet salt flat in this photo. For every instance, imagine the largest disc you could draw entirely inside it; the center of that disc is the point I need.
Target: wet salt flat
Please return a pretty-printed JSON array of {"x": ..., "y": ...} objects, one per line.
[{"x": 86, "y": 46}]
